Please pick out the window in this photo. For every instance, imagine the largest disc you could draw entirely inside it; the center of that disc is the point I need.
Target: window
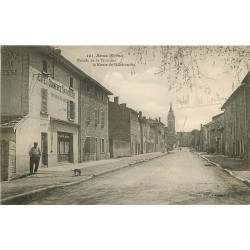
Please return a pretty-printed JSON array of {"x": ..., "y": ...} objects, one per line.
[
  {"x": 71, "y": 82},
  {"x": 44, "y": 97},
  {"x": 71, "y": 110},
  {"x": 234, "y": 126},
  {"x": 88, "y": 118},
  {"x": 45, "y": 66},
  {"x": 102, "y": 145},
  {"x": 102, "y": 96},
  {"x": 87, "y": 87},
  {"x": 95, "y": 91},
  {"x": 103, "y": 119},
  {"x": 97, "y": 117}
]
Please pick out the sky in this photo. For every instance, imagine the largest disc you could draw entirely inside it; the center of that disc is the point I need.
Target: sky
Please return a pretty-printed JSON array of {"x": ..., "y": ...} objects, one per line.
[{"x": 197, "y": 80}]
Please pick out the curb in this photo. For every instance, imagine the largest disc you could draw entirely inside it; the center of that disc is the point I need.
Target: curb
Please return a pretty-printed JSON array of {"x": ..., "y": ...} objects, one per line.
[
  {"x": 224, "y": 169},
  {"x": 20, "y": 197}
]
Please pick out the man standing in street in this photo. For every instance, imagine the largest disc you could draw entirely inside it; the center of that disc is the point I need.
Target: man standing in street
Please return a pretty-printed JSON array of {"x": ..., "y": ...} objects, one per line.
[{"x": 35, "y": 154}]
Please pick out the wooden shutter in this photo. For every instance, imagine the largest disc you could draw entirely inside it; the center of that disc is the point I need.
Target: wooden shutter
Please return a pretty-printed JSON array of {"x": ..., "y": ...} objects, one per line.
[
  {"x": 96, "y": 117},
  {"x": 103, "y": 118},
  {"x": 68, "y": 109},
  {"x": 44, "y": 95},
  {"x": 73, "y": 111}
]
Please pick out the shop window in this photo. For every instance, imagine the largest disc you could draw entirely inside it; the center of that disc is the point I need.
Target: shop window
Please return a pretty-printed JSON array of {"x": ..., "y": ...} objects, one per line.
[
  {"x": 44, "y": 98},
  {"x": 71, "y": 82},
  {"x": 45, "y": 66},
  {"x": 65, "y": 147},
  {"x": 71, "y": 110},
  {"x": 102, "y": 145},
  {"x": 103, "y": 119}
]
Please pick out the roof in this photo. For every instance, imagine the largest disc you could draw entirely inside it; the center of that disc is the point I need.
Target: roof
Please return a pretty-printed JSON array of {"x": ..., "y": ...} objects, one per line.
[
  {"x": 236, "y": 92},
  {"x": 216, "y": 116},
  {"x": 152, "y": 121},
  {"x": 10, "y": 122},
  {"x": 60, "y": 58}
]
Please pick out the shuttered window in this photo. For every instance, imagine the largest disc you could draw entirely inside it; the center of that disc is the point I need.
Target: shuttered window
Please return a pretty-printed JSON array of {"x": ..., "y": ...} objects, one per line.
[
  {"x": 103, "y": 119},
  {"x": 44, "y": 98},
  {"x": 88, "y": 118},
  {"x": 102, "y": 145},
  {"x": 97, "y": 117},
  {"x": 71, "y": 110}
]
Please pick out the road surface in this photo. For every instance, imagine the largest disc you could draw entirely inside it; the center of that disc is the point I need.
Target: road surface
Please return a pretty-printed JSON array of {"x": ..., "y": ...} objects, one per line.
[{"x": 178, "y": 178}]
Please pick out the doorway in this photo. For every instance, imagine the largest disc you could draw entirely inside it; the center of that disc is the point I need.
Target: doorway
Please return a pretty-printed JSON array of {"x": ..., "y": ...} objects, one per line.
[{"x": 65, "y": 147}]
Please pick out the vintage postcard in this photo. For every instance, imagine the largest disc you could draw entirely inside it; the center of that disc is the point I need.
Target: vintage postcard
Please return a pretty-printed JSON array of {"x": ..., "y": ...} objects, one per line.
[{"x": 125, "y": 125}]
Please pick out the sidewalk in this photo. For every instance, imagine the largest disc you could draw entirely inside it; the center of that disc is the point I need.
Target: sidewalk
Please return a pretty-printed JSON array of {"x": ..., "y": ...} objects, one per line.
[
  {"x": 62, "y": 175},
  {"x": 236, "y": 167}
]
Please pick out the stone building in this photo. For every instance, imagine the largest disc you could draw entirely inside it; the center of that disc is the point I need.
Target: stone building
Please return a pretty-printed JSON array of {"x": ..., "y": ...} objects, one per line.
[
  {"x": 145, "y": 135},
  {"x": 211, "y": 143},
  {"x": 157, "y": 135},
  {"x": 124, "y": 130},
  {"x": 237, "y": 121},
  {"x": 219, "y": 133},
  {"x": 93, "y": 109},
  {"x": 203, "y": 138}
]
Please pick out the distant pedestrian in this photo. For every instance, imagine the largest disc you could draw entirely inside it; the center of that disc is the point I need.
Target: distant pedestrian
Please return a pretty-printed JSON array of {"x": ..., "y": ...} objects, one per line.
[{"x": 35, "y": 154}]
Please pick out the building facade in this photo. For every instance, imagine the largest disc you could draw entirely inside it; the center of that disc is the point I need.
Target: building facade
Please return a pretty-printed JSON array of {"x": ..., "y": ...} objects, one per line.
[
  {"x": 94, "y": 138},
  {"x": 219, "y": 133},
  {"x": 157, "y": 135},
  {"x": 124, "y": 130},
  {"x": 44, "y": 99},
  {"x": 237, "y": 114},
  {"x": 39, "y": 102}
]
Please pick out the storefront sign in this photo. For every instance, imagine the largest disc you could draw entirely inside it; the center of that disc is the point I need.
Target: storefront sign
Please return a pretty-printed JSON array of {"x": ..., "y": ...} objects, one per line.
[{"x": 56, "y": 85}]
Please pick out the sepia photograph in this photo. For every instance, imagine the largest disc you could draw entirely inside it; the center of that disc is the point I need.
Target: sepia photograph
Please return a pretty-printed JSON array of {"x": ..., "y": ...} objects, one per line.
[{"x": 125, "y": 125}]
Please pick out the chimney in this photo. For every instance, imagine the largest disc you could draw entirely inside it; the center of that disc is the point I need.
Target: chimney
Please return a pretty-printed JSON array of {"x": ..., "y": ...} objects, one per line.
[
  {"x": 58, "y": 51},
  {"x": 116, "y": 100},
  {"x": 140, "y": 114},
  {"x": 123, "y": 105},
  {"x": 159, "y": 119},
  {"x": 144, "y": 117}
]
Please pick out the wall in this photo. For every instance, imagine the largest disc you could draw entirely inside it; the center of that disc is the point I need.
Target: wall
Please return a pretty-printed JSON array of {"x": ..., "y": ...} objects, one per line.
[
  {"x": 219, "y": 133},
  {"x": 26, "y": 134},
  {"x": 119, "y": 122},
  {"x": 235, "y": 126},
  {"x": 135, "y": 133},
  {"x": 14, "y": 80},
  {"x": 57, "y": 100},
  {"x": 119, "y": 148}
]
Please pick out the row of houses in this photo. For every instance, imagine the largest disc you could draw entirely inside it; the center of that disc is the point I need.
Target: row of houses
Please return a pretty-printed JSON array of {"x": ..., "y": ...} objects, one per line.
[
  {"x": 229, "y": 132},
  {"x": 47, "y": 99}
]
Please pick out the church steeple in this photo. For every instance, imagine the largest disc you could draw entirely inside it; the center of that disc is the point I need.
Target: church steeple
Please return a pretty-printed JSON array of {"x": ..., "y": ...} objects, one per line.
[
  {"x": 171, "y": 119},
  {"x": 171, "y": 106}
]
